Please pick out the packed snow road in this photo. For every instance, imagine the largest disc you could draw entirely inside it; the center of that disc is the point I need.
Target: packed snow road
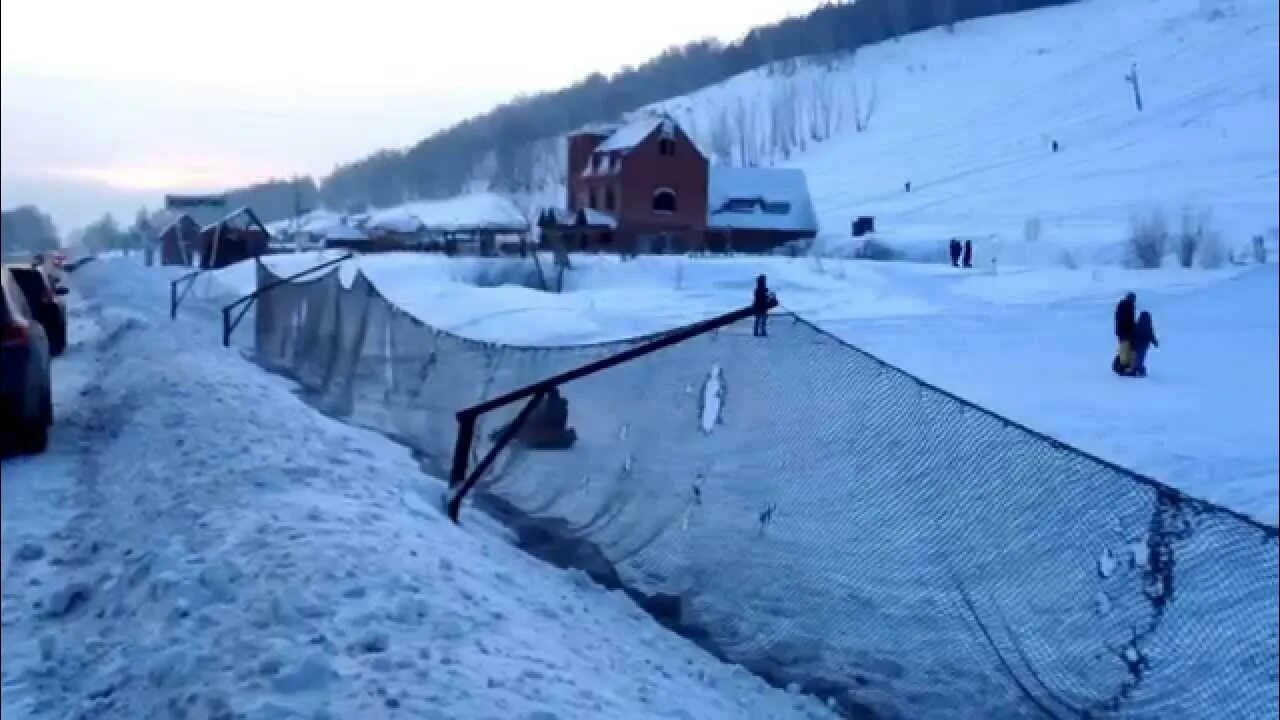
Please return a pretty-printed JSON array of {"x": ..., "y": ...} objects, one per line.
[{"x": 198, "y": 542}]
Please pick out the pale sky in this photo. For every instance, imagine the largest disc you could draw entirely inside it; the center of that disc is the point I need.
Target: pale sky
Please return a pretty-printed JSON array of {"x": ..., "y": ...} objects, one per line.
[{"x": 106, "y": 105}]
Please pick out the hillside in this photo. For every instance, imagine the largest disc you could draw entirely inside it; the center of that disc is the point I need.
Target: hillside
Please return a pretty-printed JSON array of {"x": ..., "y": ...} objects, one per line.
[
  {"x": 501, "y": 147},
  {"x": 968, "y": 117}
]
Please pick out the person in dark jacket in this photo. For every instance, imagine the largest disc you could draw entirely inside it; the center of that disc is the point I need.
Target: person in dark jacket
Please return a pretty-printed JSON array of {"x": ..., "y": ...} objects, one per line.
[
  {"x": 1125, "y": 324},
  {"x": 760, "y": 302},
  {"x": 1144, "y": 336},
  {"x": 954, "y": 247},
  {"x": 968, "y": 253}
]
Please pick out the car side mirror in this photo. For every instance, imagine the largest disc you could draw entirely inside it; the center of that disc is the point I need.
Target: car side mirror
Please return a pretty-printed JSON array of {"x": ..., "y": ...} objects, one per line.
[{"x": 61, "y": 290}]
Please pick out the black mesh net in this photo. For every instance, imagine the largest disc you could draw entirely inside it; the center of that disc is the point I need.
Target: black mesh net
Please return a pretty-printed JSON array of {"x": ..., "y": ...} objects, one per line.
[{"x": 825, "y": 519}]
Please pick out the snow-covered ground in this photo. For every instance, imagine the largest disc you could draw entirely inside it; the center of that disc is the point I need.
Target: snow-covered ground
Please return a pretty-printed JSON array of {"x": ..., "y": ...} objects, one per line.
[
  {"x": 198, "y": 542},
  {"x": 1033, "y": 344}
]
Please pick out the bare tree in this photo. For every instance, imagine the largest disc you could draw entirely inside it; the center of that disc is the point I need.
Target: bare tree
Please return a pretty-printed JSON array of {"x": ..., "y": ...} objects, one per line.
[
  {"x": 721, "y": 140},
  {"x": 862, "y": 114},
  {"x": 1132, "y": 79},
  {"x": 945, "y": 14},
  {"x": 748, "y": 123},
  {"x": 822, "y": 115}
]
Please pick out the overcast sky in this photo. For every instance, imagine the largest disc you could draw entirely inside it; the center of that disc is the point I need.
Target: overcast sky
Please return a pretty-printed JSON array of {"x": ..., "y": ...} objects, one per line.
[{"x": 107, "y": 105}]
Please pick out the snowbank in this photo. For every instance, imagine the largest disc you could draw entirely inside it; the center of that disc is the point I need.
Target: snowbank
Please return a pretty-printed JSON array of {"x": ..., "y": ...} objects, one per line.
[{"x": 200, "y": 542}]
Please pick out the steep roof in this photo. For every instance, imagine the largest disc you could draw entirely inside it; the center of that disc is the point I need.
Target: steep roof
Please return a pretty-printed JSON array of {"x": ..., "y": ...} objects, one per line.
[
  {"x": 629, "y": 135},
  {"x": 759, "y": 199}
]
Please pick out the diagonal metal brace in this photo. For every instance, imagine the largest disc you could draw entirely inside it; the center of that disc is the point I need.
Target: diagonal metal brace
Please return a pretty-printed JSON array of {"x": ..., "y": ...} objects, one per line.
[{"x": 504, "y": 438}]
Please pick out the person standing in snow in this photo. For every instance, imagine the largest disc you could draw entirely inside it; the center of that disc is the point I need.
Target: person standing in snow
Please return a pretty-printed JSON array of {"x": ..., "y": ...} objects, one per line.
[
  {"x": 1125, "y": 325},
  {"x": 1144, "y": 336},
  {"x": 760, "y": 303},
  {"x": 954, "y": 247},
  {"x": 968, "y": 253}
]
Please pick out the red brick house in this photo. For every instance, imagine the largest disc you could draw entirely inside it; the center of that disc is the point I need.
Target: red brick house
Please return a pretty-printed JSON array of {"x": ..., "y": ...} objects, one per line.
[{"x": 646, "y": 187}]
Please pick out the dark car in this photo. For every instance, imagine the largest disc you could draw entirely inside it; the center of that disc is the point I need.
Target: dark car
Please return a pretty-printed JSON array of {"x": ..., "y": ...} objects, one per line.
[
  {"x": 26, "y": 397},
  {"x": 41, "y": 294}
]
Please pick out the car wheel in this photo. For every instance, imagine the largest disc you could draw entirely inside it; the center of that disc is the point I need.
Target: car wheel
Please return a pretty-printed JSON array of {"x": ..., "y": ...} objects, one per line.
[{"x": 34, "y": 438}]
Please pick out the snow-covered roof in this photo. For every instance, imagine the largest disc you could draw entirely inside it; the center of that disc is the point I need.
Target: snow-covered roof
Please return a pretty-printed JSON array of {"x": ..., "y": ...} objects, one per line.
[
  {"x": 593, "y": 217},
  {"x": 759, "y": 199},
  {"x": 393, "y": 219},
  {"x": 343, "y": 232},
  {"x": 599, "y": 128},
  {"x": 630, "y": 135},
  {"x": 476, "y": 211}
]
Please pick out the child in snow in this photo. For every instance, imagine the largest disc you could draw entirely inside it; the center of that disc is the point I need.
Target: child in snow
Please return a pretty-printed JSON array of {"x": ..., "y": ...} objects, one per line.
[{"x": 1144, "y": 336}]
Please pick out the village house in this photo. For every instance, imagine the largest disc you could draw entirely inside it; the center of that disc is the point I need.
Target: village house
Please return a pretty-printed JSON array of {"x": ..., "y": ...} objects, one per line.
[{"x": 646, "y": 187}]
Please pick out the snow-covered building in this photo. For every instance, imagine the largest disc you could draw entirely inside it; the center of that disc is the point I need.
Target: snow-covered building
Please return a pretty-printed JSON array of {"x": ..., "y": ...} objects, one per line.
[
  {"x": 474, "y": 224},
  {"x": 756, "y": 209},
  {"x": 238, "y": 236},
  {"x": 178, "y": 239},
  {"x": 658, "y": 192}
]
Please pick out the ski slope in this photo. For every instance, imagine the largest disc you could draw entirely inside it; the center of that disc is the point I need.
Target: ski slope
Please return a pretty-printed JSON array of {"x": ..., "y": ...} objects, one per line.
[
  {"x": 198, "y": 542},
  {"x": 968, "y": 118}
]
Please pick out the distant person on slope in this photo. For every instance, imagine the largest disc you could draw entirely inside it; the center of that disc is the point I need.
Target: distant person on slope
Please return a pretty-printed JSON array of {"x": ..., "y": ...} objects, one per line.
[
  {"x": 968, "y": 253},
  {"x": 1125, "y": 325},
  {"x": 760, "y": 303},
  {"x": 954, "y": 247},
  {"x": 1144, "y": 336}
]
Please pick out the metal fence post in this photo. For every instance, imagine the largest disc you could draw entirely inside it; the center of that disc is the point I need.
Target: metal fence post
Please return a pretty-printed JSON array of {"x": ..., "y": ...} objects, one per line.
[
  {"x": 226, "y": 327},
  {"x": 173, "y": 299}
]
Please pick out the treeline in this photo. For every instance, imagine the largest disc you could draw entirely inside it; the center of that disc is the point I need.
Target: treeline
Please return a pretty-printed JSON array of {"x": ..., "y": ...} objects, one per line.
[
  {"x": 25, "y": 230},
  {"x": 276, "y": 199},
  {"x": 443, "y": 163}
]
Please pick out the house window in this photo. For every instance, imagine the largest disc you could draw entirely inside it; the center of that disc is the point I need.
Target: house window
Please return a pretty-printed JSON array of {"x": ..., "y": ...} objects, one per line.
[
  {"x": 609, "y": 199},
  {"x": 606, "y": 238},
  {"x": 664, "y": 201},
  {"x": 582, "y": 199},
  {"x": 666, "y": 146},
  {"x": 591, "y": 199}
]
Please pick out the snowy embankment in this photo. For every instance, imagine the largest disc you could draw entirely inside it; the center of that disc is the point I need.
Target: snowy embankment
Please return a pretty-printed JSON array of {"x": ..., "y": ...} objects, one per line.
[
  {"x": 1033, "y": 344},
  {"x": 200, "y": 542}
]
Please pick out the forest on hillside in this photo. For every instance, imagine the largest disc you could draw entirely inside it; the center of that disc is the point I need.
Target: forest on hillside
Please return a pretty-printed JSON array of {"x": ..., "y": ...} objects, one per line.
[{"x": 503, "y": 139}]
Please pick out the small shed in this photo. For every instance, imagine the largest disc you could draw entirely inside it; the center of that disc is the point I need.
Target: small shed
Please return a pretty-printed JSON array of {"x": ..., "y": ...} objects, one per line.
[
  {"x": 178, "y": 241},
  {"x": 238, "y": 236},
  {"x": 758, "y": 209},
  {"x": 583, "y": 230}
]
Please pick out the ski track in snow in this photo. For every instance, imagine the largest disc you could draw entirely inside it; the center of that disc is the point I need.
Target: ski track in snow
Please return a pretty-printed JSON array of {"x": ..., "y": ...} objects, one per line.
[{"x": 198, "y": 542}]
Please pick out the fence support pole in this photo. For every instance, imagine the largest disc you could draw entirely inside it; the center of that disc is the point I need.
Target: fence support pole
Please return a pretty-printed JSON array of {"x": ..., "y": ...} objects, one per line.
[
  {"x": 245, "y": 302},
  {"x": 173, "y": 300},
  {"x": 467, "y": 425}
]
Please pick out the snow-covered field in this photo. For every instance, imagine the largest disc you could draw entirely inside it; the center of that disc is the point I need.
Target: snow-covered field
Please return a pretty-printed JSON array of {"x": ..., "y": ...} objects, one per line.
[
  {"x": 198, "y": 542},
  {"x": 1033, "y": 344}
]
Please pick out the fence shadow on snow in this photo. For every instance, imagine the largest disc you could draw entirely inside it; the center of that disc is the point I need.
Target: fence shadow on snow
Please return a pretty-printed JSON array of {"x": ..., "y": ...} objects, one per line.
[{"x": 825, "y": 519}]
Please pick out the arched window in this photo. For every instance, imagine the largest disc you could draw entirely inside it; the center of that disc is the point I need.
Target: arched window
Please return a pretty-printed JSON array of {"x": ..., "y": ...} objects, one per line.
[
  {"x": 666, "y": 146},
  {"x": 664, "y": 201}
]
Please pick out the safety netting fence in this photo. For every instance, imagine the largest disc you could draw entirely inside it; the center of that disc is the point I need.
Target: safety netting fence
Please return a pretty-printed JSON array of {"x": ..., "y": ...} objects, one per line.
[{"x": 825, "y": 519}]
